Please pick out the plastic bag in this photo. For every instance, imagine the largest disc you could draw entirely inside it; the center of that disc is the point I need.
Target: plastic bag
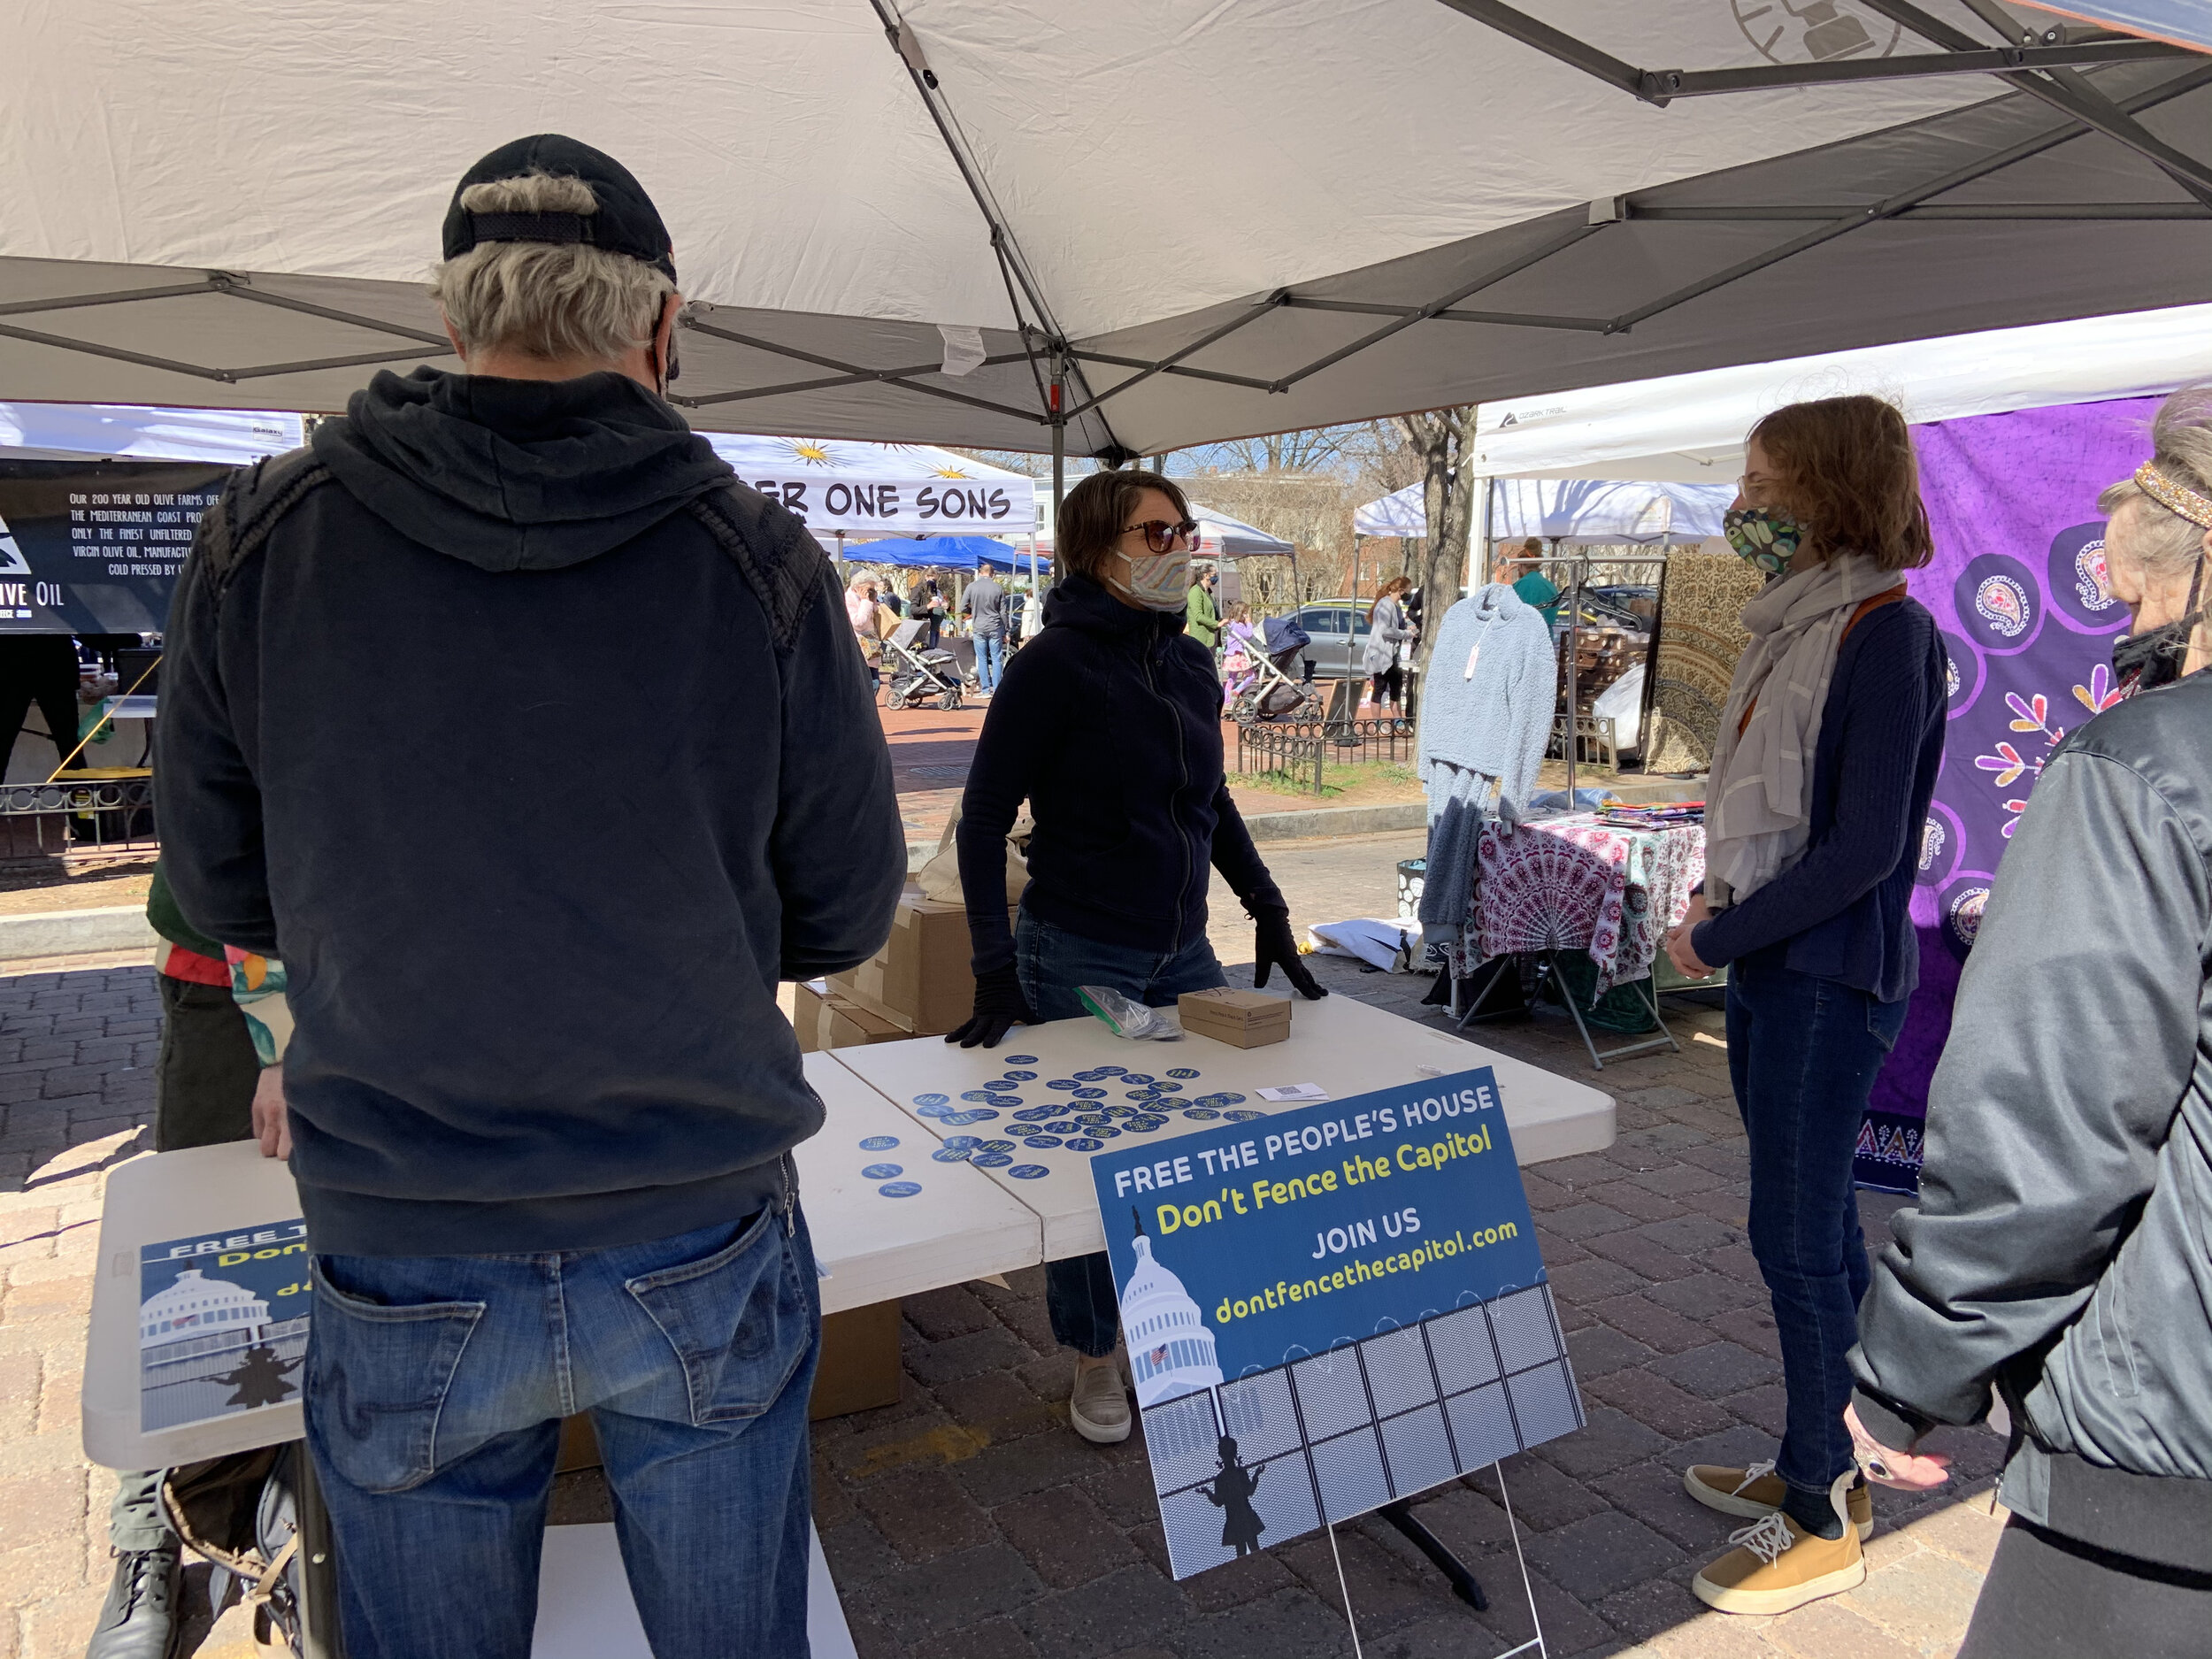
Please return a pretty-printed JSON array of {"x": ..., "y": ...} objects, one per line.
[{"x": 1126, "y": 1018}]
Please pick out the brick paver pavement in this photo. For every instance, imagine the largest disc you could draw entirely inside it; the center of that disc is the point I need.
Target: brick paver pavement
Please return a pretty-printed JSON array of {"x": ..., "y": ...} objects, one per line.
[{"x": 968, "y": 1522}]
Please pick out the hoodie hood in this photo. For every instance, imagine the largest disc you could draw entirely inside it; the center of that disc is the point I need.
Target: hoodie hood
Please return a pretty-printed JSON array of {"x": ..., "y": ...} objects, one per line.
[
  {"x": 517, "y": 475},
  {"x": 1079, "y": 602}
]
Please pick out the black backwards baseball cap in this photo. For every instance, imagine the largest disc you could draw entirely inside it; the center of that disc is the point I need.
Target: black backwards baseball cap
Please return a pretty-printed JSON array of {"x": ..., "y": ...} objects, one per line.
[{"x": 626, "y": 222}]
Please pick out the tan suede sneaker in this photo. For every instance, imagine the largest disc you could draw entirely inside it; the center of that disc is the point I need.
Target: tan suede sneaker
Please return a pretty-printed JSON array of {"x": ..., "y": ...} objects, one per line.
[
  {"x": 1778, "y": 1565},
  {"x": 1096, "y": 1405},
  {"x": 1757, "y": 1491}
]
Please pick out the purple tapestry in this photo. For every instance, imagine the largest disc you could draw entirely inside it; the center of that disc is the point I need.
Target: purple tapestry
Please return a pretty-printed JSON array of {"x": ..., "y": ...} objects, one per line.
[{"x": 2017, "y": 588}]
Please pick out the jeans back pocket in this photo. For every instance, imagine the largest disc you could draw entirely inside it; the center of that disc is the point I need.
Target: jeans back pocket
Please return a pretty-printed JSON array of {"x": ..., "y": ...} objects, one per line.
[
  {"x": 377, "y": 1378},
  {"x": 1885, "y": 1022},
  {"x": 740, "y": 1320}
]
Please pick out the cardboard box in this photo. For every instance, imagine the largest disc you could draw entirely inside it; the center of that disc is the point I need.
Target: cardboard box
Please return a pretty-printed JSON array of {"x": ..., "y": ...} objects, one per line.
[
  {"x": 1243, "y": 1019},
  {"x": 919, "y": 980},
  {"x": 826, "y": 1020},
  {"x": 858, "y": 1371},
  {"x": 859, "y": 1368}
]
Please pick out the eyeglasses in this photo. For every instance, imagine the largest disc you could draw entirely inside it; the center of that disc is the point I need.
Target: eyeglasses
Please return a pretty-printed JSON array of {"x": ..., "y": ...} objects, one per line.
[{"x": 1161, "y": 536}]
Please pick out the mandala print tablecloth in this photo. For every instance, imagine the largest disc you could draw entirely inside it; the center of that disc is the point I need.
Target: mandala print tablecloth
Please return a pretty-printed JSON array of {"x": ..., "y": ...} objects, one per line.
[{"x": 1573, "y": 883}]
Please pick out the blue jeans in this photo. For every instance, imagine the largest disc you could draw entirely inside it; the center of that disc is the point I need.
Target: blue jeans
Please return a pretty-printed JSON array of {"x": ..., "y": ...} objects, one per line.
[
  {"x": 990, "y": 659},
  {"x": 1802, "y": 1055},
  {"x": 435, "y": 1388},
  {"x": 1050, "y": 962}
]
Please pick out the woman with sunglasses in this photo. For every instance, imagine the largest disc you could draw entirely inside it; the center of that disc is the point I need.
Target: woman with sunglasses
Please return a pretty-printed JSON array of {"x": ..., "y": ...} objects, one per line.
[{"x": 1109, "y": 724}]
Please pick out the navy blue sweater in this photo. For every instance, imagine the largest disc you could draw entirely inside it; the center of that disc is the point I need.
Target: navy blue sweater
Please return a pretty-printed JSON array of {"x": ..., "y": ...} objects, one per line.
[
  {"x": 538, "y": 747},
  {"x": 1840, "y": 912},
  {"x": 1108, "y": 723}
]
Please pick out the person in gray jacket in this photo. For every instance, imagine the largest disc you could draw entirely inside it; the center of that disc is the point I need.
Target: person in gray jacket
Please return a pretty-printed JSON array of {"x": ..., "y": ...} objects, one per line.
[
  {"x": 2061, "y": 1255},
  {"x": 1387, "y": 629}
]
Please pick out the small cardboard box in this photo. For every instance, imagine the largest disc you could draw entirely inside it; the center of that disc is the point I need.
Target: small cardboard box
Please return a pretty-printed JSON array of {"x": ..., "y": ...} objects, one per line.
[
  {"x": 827, "y": 1020},
  {"x": 1243, "y": 1019},
  {"x": 919, "y": 980}
]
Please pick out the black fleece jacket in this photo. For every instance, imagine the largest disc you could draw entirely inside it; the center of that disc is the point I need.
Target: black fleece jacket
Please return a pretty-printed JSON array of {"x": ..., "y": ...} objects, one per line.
[
  {"x": 1109, "y": 724},
  {"x": 538, "y": 749}
]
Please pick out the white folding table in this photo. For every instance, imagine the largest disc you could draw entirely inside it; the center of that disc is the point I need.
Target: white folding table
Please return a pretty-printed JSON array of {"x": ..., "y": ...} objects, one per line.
[{"x": 1337, "y": 1042}]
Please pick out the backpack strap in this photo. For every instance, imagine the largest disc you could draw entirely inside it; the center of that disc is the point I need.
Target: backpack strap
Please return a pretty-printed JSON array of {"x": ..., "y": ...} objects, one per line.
[
  {"x": 768, "y": 544},
  {"x": 254, "y": 498}
]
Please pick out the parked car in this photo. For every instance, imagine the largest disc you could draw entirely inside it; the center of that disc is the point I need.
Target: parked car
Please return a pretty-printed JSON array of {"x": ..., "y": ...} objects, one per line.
[{"x": 1336, "y": 627}]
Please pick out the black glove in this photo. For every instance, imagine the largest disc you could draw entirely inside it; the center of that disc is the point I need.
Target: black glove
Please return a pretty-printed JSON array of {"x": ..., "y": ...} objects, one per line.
[
  {"x": 1272, "y": 948},
  {"x": 999, "y": 1004}
]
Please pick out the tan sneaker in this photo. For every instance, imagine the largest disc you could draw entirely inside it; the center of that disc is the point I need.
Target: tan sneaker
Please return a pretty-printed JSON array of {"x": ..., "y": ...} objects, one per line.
[
  {"x": 1097, "y": 1407},
  {"x": 1757, "y": 1491},
  {"x": 1778, "y": 1565}
]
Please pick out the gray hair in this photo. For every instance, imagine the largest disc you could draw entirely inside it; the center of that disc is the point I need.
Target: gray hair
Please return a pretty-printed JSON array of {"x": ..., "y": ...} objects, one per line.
[
  {"x": 2181, "y": 449},
  {"x": 546, "y": 300}
]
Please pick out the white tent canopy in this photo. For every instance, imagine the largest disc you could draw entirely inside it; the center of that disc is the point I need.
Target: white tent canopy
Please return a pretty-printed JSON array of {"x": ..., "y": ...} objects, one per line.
[
  {"x": 1580, "y": 512},
  {"x": 873, "y": 489},
  {"x": 53, "y": 432},
  {"x": 1692, "y": 427},
  {"x": 1404, "y": 204}
]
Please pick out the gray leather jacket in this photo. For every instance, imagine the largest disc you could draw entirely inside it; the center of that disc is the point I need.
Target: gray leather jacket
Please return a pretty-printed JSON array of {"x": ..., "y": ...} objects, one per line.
[{"x": 2062, "y": 1251}]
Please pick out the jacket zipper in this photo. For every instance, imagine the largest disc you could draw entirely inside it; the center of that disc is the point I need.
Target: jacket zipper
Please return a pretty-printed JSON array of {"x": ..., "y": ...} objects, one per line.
[{"x": 1182, "y": 762}]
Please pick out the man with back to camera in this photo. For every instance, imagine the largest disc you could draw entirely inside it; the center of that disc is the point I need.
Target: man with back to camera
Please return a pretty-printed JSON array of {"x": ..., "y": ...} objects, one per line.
[
  {"x": 540, "y": 1099},
  {"x": 985, "y": 602}
]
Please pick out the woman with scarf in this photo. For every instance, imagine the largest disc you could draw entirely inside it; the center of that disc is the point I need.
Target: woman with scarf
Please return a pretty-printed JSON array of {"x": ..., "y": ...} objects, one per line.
[
  {"x": 1109, "y": 724},
  {"x": 2056, "y": 1258},
  {"x": 1826, "y": 755}
]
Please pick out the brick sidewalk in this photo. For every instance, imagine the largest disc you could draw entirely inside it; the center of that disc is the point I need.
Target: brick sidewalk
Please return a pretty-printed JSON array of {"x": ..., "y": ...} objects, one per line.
[{"x": 968, "y": 1522}]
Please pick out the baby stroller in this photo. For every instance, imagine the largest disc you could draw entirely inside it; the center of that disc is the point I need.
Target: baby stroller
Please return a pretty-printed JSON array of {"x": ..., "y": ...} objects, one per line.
[
  {"x": 1270, "y": 694},
  {"x": 916, "y": 675}
]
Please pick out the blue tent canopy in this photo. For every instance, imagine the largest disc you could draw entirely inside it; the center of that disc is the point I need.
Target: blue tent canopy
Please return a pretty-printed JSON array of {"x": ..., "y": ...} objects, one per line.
[{"x": 939, "y": 552}]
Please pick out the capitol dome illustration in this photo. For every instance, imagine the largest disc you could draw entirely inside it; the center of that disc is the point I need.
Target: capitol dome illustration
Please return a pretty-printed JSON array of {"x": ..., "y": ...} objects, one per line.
[
  {"x": 1171, "y": 1348},
  {"x": 199, "y": 1306}
]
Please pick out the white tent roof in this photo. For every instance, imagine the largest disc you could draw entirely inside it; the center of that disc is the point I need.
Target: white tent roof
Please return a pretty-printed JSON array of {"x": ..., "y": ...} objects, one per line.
[
  {"x": 1579, "y": 511},
  {"x": 1248, "y": 217},
  {"x": 1692, "y": 427},
  {"x": 873, "y": 489},
  {"x": 33, "y": 432}
]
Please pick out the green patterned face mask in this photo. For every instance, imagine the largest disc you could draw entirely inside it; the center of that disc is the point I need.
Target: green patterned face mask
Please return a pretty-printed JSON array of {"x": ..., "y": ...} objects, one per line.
[{"x": 1763, "y": 537}]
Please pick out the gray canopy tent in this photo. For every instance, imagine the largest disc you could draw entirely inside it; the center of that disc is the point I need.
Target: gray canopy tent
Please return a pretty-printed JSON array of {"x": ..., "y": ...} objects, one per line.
[{"x": 254, "y": 225}]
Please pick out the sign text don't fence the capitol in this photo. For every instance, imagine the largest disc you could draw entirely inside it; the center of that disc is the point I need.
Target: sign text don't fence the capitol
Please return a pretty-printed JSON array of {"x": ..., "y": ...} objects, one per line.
[{"x": 1337, "y": 1306}]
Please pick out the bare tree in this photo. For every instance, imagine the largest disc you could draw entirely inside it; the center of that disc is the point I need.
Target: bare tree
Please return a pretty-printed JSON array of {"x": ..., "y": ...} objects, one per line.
[{"x": 1445, "y": 440}]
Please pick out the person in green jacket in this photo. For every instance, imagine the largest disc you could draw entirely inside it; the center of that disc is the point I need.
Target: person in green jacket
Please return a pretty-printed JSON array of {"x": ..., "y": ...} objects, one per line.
[
  {"x": 1526, "y": 575},
  {"x": 1201, "y": 618}
]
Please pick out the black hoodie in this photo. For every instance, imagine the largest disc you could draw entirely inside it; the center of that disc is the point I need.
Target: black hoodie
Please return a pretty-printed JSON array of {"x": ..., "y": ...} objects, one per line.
[
  {"x": 1108, "y": 723},
  {"x": 538, "y": 749}
]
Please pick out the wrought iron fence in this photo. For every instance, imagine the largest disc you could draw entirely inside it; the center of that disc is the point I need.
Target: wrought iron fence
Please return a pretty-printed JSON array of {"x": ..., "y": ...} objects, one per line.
[
  {"x": 85, "y": 820},
  {"x": 1301, "y": 750}
]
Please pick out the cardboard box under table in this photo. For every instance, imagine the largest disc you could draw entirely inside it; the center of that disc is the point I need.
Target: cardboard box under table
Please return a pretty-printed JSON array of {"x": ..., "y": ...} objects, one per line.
[
  {"x": 1345, "y": 1046},
  {"x": 823, "y": 1020}
]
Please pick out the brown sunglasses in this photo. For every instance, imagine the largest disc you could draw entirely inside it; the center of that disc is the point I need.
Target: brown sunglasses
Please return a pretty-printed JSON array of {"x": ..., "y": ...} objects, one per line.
[{"x": 1161, "y": 536}]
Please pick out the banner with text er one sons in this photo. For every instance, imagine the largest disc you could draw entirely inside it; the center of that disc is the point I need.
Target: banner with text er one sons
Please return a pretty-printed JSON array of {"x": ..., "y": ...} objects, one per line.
[{"x": 1330, "y": 1308}]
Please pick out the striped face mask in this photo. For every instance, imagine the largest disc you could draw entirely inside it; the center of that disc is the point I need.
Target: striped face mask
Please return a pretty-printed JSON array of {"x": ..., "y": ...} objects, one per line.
[{"x": 1159, "y": 582}]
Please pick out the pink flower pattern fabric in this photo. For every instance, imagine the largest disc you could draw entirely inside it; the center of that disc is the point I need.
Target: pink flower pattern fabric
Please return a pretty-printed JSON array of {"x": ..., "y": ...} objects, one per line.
[{"x": 1574, "y": 883}]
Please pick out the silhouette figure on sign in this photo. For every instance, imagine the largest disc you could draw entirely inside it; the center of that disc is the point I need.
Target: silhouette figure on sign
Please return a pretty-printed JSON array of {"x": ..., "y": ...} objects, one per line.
[
  {"x": 1232, "y": 1493},
  {"x": 259, "y": 1380}
]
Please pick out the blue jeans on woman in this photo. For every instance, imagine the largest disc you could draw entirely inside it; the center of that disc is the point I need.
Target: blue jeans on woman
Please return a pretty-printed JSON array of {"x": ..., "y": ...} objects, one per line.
[
  {"x": 435, "y": 1388},
  {"x": 1050, "y": 962},
  {"x": 1802, "y": 1056}
]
